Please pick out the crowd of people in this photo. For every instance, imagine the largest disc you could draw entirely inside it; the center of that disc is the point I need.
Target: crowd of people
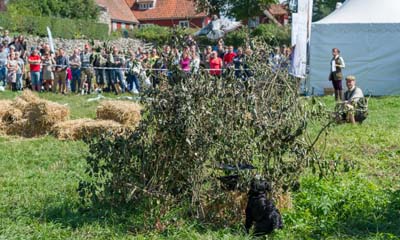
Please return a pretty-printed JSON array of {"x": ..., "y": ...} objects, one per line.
[{"x": 100, "y": 69}]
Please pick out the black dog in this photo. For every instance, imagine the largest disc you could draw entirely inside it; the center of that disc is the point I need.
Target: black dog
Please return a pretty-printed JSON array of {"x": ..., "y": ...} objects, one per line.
[{"x": 261, "y": 211}]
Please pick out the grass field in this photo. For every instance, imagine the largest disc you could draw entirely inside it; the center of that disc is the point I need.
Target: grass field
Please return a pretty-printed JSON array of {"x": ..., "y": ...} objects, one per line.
[{"x": 39, "y": 177}]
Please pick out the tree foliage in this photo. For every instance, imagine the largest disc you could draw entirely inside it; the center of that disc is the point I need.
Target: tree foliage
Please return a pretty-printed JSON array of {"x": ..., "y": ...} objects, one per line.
[
  {"x": 73, "y": 9},
  {"x": 193, "y": 124},
  {"x": 240, "y": 9},
  {"x": 322, "y": 8}
]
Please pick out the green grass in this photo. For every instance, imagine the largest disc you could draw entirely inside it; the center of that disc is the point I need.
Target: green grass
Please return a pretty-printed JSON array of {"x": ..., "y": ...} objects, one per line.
[{"x": 39, "y": 178}]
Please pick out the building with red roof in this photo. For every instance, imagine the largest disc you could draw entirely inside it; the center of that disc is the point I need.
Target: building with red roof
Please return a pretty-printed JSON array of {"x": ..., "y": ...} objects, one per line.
[
  {"x": 117, "y": 14},
  {"x": 167, "y": 13}
]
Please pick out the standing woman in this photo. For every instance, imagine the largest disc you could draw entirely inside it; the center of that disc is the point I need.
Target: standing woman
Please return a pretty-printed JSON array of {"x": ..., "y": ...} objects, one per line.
[
  {"x": 12, "y": 66},
  {"x": 48, "y": 75},
  {"x": 336, "y": 75}
]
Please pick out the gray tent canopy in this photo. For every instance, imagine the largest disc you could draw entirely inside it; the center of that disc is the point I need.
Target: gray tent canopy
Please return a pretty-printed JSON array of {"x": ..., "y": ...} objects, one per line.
[{"x": 368, "y": 34}]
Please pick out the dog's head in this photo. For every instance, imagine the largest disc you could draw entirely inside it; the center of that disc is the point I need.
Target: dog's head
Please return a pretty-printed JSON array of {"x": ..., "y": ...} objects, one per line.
[{"x": 259, "y": 186}]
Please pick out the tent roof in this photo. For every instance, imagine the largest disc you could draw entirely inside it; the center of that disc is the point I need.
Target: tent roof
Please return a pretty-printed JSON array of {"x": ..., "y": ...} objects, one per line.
[{"x": 365, "y": 11}]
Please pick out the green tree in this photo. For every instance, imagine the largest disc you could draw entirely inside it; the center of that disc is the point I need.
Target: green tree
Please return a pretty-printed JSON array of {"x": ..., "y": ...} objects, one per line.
[
  {"x": 323, "y": 8},
  {"x": 73, "y": 9},
  {"x": 240, "y": 9}
]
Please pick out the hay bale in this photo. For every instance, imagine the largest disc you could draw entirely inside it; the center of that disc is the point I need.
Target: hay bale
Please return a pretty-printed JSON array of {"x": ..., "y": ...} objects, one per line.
[
  {"x": 11, "y": 115},
  {"x": 4, "y": 106},
  {"x": 42, "y": 115},
  {"x": 86, "y": 128},
  {"x": 28, "y": 96},
  {"x": 19, "y": 128},
  {"x": 126, "y": 113},
  {"x": 25, "y": 99}
]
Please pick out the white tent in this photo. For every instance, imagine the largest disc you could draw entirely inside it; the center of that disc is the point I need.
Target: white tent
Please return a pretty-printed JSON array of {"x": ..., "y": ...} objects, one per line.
[{"x": 367, "y": 32}]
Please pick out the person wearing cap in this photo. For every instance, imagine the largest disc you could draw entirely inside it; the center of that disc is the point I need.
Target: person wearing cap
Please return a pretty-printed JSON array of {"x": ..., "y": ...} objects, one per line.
[
  {"x": 34, "y": 61},
  {"x": 60, "y": 76},
  {"x": 3, "y": 65},
  {"x": 351, "y": 97}
]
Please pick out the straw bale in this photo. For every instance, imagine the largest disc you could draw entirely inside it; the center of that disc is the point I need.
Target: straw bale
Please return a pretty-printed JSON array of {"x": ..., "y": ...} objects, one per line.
[
  {"x": 20, "y": 104},
  {"x": 29, "y": 96},
  {"x": 86, "y": 128},
  {"x": 126, "y": 113},
  {"x": 3, "y": 128},
  {"x": 18, "y": 128},
  {"x": 42, "y": 115},
  {"x": 4, "y": 106},
  {"x": 11, "y": 115}
]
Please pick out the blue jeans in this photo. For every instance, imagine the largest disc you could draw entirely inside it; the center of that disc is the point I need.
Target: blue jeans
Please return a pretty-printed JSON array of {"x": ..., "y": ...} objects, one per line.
[
  {"x": 3, "y": 75},
  {"x": 76, "y": 79},
  {"x": 119, "y": 78},
  {"x": 20, "y": 84},
  {"x": 133, "y": 82},
  {"x": 35, "y": 79}
]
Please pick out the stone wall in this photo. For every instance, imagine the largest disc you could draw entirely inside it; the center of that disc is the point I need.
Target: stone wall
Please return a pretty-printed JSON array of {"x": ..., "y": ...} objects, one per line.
[{"x": 69, "y": 45}]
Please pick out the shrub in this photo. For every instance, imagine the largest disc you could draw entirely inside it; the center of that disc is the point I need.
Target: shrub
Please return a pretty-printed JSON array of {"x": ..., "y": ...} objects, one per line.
[
  {"x": 272, "y": 34},
  {"x": 62, "y": 28},
  {"x": 158, "y": 34},
  {"x": 193, "y": 124}
]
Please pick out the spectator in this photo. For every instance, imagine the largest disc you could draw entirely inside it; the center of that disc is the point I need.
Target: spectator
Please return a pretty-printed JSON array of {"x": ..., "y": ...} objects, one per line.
[
  {"x": 109, "y": 72},
  {"x": 229, "y": 56},
  {"x": 3, "y": 65},
  {"x": 215, "y": 64},
  {"x": 185, "y": 62},
  {"x": 6, "y": 38},
  {"x": 195, "y": 63},
  {"x": 34, "y": 66},
  {"x": 60, "y": 76},
  {"x": 48, "y": 63},
  {"x": 20, "y": 71},
  {"x": 238, "y": 60},
  {"x": 336, "y": 75},
  {"x": 99, "y": 61},
  {"x": 119, "y": 63},
  {"x": 75, "y": 65},
  {"x": 86, "y": 69},
  {"x": 206, "y": 57},
  {"x": 154, "y": 64},
  {"x": 134, "y": 70},
  {"x": 12, "y": 66}
]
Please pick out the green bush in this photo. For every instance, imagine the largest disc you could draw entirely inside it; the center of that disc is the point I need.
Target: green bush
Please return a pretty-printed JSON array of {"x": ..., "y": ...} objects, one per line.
[
  {"x": 158, "y": 34},
  {"x": 60, "y": 27},
  {"x": 272, "y": 34}
]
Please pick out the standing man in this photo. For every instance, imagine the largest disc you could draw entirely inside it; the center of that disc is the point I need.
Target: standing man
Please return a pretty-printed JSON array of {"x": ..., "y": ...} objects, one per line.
[
  {"x": 60, "y": 77},
  {"x": 336, "y": 75},
  {"x": 75, "y": 64},
  {"x": 34, "y": 61},
  {"x": 229, "y": 56},
  {"x": 86, "y": 68},
  {"x": 119, "y": 64},
  {"x": 3, "y": 65}
]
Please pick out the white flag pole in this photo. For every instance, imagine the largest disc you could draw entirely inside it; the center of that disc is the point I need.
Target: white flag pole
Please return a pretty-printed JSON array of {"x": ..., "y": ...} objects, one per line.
[{"x": 51, "y": 42}]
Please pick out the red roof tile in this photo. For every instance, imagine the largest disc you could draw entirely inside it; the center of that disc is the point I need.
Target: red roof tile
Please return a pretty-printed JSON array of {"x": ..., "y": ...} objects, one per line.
[
  {"x": 118, "y": 10},
  {"x": 166, "y": 9}
]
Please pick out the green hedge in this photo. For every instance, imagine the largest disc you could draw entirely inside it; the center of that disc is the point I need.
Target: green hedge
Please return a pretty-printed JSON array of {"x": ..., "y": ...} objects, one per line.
[{"x": 60, "y": 27}]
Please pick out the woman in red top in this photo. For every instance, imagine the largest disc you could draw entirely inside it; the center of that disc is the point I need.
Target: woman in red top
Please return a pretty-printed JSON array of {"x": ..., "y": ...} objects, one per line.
[{"x": 215, "y": 64}]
